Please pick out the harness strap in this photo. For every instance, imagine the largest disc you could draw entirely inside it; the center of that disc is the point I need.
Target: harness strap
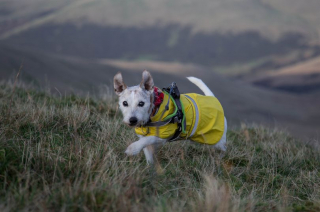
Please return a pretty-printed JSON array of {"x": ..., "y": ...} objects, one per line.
[
  {"x": 180, "y": 119},
  {"x": 177, "y": 117},
  {"x": 176, "y": 135},
  {"x": 157, "y": 124}
]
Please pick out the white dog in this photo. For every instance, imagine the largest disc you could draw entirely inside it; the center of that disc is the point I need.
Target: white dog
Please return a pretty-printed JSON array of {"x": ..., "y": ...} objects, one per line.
[{"x": 153, "y": 113}]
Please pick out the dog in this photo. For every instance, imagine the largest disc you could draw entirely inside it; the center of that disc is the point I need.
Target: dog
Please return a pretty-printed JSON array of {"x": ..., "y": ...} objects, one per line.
[{"x": 140, "y": 105}]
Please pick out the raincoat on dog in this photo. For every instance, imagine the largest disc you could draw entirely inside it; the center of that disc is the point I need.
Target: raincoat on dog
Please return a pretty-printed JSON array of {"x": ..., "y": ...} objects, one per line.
[{"x": 204, "y": 119}]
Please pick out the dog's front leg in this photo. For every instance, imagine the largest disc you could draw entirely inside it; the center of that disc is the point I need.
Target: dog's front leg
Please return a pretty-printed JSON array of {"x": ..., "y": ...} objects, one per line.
[
  {"x": 149, "y": 153},
  {"x": 144, "y": 141}
]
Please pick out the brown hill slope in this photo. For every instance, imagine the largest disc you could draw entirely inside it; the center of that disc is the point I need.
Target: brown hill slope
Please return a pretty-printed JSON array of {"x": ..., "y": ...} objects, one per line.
[
  {"x": 270, "y": 17},
  {"x": 301, "y": 77}
]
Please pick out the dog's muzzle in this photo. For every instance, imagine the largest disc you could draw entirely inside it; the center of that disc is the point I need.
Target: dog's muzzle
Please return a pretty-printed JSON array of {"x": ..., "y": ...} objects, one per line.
[{"x": 133, "y": 121}]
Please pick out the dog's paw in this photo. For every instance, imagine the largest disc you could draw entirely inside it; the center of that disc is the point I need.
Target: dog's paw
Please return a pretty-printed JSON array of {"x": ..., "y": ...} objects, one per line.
[{"x": 134, "y": 148}]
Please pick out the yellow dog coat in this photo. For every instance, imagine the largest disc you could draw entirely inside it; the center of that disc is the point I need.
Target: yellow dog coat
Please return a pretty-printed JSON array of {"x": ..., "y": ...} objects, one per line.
[{"x": 204, "y": 119}]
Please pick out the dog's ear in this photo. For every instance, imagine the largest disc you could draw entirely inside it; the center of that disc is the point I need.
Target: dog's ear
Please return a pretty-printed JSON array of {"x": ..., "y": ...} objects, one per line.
[
  {"x": 118, "y": 84},
  {"x": 147, "y": 81}
]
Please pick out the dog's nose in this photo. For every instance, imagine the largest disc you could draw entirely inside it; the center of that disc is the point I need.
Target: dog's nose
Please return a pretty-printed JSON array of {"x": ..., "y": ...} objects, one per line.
[{"x": 133, "y": 120}]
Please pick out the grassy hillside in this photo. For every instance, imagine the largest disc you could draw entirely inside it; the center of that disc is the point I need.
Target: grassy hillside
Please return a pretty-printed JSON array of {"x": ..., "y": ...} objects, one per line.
[
  {"x": 167, "y": 43},
  {"x": 67, "y": 153},
  {"x": 300, "y": 77},
  {"x": 241, "y": 102},
  {"x": 270, "y": 17},
  {"x": 235, "y": 38}
]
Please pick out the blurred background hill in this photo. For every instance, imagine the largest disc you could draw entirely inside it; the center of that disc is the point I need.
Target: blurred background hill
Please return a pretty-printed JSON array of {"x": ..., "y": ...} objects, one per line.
[{"x": 260, "y": 57}]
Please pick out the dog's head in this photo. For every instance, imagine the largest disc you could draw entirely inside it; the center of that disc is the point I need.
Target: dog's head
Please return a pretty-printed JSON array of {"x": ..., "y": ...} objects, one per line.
[{"x": 136, "y": 102}]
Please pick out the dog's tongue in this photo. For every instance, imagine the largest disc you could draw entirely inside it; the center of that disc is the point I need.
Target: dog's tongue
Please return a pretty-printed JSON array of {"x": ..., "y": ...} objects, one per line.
[{"x": 158, "y": 97}]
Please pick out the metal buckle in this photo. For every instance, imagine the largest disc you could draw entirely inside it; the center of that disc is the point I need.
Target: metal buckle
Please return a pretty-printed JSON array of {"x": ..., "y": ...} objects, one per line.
[{"x": 176, "y": 120}]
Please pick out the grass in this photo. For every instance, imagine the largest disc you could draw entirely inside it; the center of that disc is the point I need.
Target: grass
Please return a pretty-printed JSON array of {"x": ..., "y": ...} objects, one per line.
[{"x": 67, "y": 154}]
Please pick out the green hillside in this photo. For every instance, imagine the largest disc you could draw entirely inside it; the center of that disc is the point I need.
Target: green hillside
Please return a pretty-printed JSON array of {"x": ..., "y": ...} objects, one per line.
[{"x": 66, "y": 153}]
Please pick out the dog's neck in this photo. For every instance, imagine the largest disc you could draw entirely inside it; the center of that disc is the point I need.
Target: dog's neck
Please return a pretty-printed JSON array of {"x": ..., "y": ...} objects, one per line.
[{"x": 157, "y": 100}]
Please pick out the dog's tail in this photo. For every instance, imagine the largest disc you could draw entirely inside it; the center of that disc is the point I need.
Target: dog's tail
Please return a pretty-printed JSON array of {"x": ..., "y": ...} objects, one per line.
[{"x": 201, "y": 85}]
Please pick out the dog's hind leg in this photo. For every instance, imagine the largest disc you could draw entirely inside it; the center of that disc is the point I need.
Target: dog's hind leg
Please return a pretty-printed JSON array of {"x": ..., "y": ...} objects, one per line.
[{"x": 223, "y": 141}]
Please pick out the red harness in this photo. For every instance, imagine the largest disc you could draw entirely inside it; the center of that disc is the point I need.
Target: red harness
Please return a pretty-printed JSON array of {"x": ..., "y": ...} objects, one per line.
[{"x": 158, "y": 98}]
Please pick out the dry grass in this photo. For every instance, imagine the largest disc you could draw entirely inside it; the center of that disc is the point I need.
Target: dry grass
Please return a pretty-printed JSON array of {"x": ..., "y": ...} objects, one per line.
[{"x": 67, "y": 154}]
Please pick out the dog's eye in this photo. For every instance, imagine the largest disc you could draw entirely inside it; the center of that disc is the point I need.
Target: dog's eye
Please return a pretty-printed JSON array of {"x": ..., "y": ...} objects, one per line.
[
  {"x": 125, "y": 103},
  {"x": 141, "y": 104}
]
